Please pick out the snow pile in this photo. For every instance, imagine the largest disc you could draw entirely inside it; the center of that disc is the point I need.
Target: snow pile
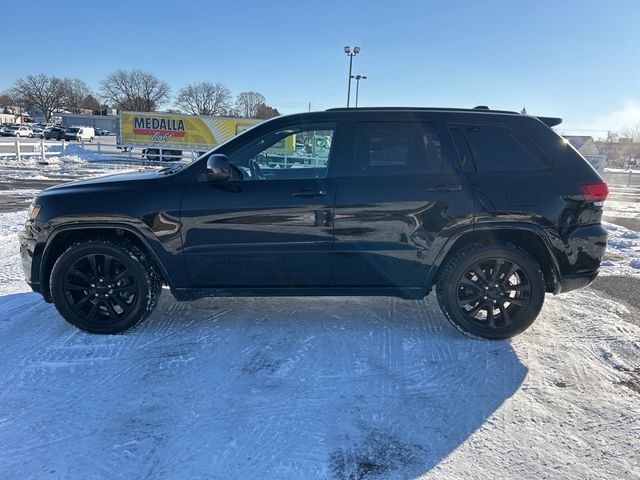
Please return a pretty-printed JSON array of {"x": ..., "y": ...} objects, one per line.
[
  {"x": 623, "y": 251},
  {"x": 11, "y": 275}
]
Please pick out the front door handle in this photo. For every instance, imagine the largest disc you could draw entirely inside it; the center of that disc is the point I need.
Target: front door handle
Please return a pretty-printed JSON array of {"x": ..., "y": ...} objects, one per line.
[
  {"x": 444, "y": 188},
  {"x": 307, "y": 193}
]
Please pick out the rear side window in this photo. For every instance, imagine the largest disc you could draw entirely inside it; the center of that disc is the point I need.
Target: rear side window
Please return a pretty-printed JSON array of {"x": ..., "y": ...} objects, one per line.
[
  {"x": 397, "y": 148},
  {"x": 499, "y": 149}
]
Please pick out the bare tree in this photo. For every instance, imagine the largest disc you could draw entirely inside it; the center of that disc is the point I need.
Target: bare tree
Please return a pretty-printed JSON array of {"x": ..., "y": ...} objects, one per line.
[
  {"x": 44, "y": 92},
  {"x": 247, "y": 104},
  {"x": 631, "y": 133},
  {"x": 76, "y": 91},
  {"x": 204, "y": 98},
  {"x": 612, "y": 136},
  {"x": 265, "y": 111},
  {"x": 91, "y": 103},
  {"x": 135, "y": 90}
]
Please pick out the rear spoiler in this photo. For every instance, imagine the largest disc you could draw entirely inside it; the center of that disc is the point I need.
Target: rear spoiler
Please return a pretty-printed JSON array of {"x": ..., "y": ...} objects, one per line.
[{"x": 550, "y": 121}]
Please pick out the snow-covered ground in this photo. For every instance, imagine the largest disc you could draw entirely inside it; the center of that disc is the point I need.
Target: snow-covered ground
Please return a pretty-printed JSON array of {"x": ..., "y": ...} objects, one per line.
[{"x": 319, "y": 387}]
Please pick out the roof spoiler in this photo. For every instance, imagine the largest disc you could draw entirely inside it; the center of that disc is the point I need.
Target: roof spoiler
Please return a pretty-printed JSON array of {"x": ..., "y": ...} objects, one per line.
[{"x": 550, "y": 121}]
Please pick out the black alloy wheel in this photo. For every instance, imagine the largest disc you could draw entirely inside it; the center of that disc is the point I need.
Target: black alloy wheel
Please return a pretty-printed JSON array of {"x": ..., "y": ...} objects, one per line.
[
  {"x": 491, "y": 291},
  {"x": 100, "y": 288},
  {"x": 105, "y": 285},
  {"x": 494, "y": 293}
]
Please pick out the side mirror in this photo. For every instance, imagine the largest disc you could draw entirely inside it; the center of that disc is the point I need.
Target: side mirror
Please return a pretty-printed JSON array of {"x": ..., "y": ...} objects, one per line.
[{"x": 218, "y": 169}]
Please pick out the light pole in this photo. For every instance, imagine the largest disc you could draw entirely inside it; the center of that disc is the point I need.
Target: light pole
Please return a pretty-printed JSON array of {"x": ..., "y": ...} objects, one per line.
[
  {"x": 358, "y": 78},
  {"x": 350, "y": 54}
]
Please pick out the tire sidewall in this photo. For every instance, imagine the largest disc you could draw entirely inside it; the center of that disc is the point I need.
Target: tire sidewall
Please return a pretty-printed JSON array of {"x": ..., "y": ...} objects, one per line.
[
  {"x": 74, "y": 253},
  {"x": 448, "y": 291}
]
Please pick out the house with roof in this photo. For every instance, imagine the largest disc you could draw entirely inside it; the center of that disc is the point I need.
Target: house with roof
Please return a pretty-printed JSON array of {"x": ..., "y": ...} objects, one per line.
[{"x": 587, "y": 147}]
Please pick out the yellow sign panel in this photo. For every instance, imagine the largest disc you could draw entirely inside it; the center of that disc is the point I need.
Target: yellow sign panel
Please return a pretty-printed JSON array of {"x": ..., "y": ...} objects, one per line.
[{"x": 165, "y": 129}]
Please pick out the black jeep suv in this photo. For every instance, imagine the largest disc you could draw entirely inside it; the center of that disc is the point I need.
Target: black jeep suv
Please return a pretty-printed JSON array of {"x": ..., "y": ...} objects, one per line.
[{"x": 492, "y": 208}]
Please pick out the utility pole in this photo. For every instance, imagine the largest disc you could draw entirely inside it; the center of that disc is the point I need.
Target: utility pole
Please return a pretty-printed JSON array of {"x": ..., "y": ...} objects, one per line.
[
  {"x": 358, "y": 78},
  {"x": 350, "y": 54}
]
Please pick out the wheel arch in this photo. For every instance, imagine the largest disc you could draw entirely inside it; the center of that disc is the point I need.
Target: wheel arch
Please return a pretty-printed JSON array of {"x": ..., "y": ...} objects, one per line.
[
  {"x": 530, "y": 238},
  {"x": 64, "y": 237}
]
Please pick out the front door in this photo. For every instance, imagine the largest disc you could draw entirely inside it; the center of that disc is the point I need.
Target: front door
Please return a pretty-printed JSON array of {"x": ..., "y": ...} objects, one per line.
[{"x": 271, "y": 225}]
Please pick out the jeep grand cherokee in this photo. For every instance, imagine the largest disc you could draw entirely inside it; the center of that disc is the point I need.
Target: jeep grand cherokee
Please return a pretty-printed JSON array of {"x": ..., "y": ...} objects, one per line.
[{"x": 492, "y": 208}]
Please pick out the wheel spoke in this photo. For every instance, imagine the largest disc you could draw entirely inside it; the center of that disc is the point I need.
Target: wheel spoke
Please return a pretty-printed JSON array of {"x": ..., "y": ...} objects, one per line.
[
  {"x": 490, "y": 318},
  {"x": 93, "y": 313},
  {"x": 112, "y": 312},
  {"x": 469, "y": 301},
  {"x": 510, "y": 271},
  {"x": 73, "y": 286},
  {"x": 518, "y": 301},
  {"x": 80, "y": 303},
  {"x": 123, "y": 305},
  {"x": 92, "y": 263},
  {"x": 77, "y": 273},
  {"x": 469, "y": 283},
  {"x": 107, "y": 266},
  {"x": 505, "y": 314},
  {"x": 476, "y": 309},
  {"x": 121, "y": 276},
  {"x": 477, "y": 269}
]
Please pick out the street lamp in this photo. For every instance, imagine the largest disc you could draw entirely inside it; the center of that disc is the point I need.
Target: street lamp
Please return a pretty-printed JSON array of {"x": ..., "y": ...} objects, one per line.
[
  {"x": 350, "y": 54},
  {"x": 358, "y": 78}
]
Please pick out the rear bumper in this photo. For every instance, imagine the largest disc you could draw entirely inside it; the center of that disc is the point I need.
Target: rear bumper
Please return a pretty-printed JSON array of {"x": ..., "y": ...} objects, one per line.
[
  {"x": 582, "y": 252},
  {"x": 573, "y": 282}
]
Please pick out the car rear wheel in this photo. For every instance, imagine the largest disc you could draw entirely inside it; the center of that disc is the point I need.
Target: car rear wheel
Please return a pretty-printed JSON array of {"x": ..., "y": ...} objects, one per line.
[
  {"x": 105, "y": 286},
  {"x": 492, "y": 291}
]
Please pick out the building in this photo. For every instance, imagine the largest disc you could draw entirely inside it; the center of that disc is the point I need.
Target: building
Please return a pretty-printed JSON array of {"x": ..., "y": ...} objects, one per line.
[
  {"x": 621, "y": 154},
  {"x": 588, "y": 149},
  {"x": 104, "y": 122}
]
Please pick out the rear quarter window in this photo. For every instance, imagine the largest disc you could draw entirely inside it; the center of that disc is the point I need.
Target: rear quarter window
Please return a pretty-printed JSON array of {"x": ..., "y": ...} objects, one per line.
[{"x": 499, "y": 148}]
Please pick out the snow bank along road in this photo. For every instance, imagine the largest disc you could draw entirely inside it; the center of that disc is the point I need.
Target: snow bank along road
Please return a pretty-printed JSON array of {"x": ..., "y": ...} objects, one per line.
[{"x": 320, "y": 388}]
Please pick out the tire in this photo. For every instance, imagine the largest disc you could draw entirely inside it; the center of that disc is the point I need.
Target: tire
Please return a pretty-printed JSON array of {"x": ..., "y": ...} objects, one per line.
[
  {"x": 113, "y": 292},
  {"x": 491, "y": 291}
]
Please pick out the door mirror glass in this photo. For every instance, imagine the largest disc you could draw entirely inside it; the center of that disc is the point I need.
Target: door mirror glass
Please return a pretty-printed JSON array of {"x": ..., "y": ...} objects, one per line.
[{"x": 218, "y": 169}]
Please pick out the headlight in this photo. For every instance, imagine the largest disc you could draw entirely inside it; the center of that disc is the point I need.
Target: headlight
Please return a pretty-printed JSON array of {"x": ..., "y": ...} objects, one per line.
[{"x": 34, "y": 211}]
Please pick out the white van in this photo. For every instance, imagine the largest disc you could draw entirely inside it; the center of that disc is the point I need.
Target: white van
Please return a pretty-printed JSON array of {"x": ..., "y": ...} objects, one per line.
[{"x": 80, "y": 134}]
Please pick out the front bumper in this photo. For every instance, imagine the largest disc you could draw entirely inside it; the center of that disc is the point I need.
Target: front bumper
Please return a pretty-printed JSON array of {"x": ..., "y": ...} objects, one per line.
[{"x": 30, "y": 256}]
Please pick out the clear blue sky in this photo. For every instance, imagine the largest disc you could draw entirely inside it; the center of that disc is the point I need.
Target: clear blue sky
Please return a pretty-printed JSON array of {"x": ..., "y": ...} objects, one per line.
[{"x": 575, "y": 59}]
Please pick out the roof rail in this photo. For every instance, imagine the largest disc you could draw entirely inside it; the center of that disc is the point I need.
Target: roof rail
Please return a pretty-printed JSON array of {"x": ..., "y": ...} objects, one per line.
[{"x": 423, "y": 109}]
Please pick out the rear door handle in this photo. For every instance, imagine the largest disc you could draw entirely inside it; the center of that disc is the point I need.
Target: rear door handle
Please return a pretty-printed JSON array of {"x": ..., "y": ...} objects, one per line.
[
  {"x": 444, "y": 188},
  {"x": 309, "y": 193}
]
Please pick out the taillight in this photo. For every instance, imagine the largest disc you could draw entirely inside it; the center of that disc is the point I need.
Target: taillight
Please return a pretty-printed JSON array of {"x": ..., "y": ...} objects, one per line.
[{"x": 594, "y": 192}]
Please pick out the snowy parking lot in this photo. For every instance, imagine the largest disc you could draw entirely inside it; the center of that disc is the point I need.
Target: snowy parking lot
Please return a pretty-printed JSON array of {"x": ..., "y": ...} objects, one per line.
[{"x": 318, "y": 387}]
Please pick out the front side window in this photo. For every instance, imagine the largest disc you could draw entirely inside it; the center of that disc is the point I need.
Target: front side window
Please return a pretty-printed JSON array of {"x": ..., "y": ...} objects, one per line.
[
  {"x": 397, "y": 148},
  {"x": 287, "y": 153}
]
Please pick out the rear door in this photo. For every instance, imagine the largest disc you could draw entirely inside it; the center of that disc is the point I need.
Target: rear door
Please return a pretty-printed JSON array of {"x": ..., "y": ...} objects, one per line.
[{"x": 403, "y": 198}]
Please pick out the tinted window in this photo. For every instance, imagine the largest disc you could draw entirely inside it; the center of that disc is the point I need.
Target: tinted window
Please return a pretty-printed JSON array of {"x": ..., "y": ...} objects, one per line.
[
  {"x": 498, "y": 149},
  {"x": 397, "y": 148}
]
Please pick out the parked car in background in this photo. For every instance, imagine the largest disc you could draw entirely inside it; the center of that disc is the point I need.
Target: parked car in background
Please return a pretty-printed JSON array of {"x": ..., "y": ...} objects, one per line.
[
  {"x": 17, "y": 131},
  {"x": 54, "y": 133},
  {"x": 5, "y": 128},
  {"x": 80, "y": 134},
  {"x": 38, "y": 132},
  {"x": 101, "y": 132}
]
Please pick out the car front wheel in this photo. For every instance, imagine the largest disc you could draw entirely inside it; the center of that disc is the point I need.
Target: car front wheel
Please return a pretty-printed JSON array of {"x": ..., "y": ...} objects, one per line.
[
  {"x": 494, "y": 291},
  {"x": 105, "y": 285}
]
